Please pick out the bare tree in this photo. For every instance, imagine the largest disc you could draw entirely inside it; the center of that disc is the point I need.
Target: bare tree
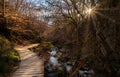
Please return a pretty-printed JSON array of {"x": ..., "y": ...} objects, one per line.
[
  {"x": 2, "y": 9},
  {"x": 74, "y": 12}
]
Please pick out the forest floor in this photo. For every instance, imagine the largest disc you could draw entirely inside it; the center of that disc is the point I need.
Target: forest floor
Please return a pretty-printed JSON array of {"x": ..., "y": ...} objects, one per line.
[{"x": 31, "y": 65}]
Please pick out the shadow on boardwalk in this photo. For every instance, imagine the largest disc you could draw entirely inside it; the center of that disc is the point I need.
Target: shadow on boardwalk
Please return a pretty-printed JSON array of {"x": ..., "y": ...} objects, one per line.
[{"x": 31, "y": 65}]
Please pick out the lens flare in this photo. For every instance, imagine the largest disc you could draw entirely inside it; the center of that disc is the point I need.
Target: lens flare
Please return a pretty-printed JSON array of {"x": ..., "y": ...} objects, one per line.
[{"x": 89, "y": 11}]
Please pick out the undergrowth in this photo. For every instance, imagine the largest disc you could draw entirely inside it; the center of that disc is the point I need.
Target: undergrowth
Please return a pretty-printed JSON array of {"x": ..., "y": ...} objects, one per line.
[{"x": 9, "y": 58}]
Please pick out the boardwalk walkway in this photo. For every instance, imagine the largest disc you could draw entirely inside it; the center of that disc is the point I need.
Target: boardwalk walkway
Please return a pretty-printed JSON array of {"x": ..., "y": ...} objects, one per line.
[{"x": 31, "y": 65}]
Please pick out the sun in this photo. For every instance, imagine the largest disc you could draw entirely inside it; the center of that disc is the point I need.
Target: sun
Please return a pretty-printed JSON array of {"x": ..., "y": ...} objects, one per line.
[{"x": 88, "y": 10}]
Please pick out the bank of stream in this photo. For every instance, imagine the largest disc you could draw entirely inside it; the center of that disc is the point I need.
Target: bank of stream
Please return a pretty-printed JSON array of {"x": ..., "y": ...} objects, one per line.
[{"x": 57, "y": 66}]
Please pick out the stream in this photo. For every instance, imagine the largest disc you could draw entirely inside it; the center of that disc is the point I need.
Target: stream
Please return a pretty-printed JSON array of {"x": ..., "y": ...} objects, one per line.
[{"x": 56, "y": 68}]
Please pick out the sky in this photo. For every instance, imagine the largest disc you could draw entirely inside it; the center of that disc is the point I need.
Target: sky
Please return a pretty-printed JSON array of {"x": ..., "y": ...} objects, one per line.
[
  {"x": 43, "y": 12},
  {"x": 41, "y": 1}
]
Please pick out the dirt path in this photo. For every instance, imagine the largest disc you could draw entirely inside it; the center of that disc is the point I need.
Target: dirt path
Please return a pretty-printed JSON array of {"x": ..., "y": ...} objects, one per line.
[{"x": 31, "y": 65}]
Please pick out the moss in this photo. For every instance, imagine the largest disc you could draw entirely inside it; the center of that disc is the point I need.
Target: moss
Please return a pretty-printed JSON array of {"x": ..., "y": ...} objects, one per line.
[
  {"x": 14, "y": 56},
  {"x": 9, "y": 58},
  {"x": 48, "y": 43}
]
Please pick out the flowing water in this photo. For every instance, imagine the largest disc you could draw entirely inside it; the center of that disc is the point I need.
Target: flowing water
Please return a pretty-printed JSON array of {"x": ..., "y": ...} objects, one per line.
[{"x": 56, "y": 68}]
